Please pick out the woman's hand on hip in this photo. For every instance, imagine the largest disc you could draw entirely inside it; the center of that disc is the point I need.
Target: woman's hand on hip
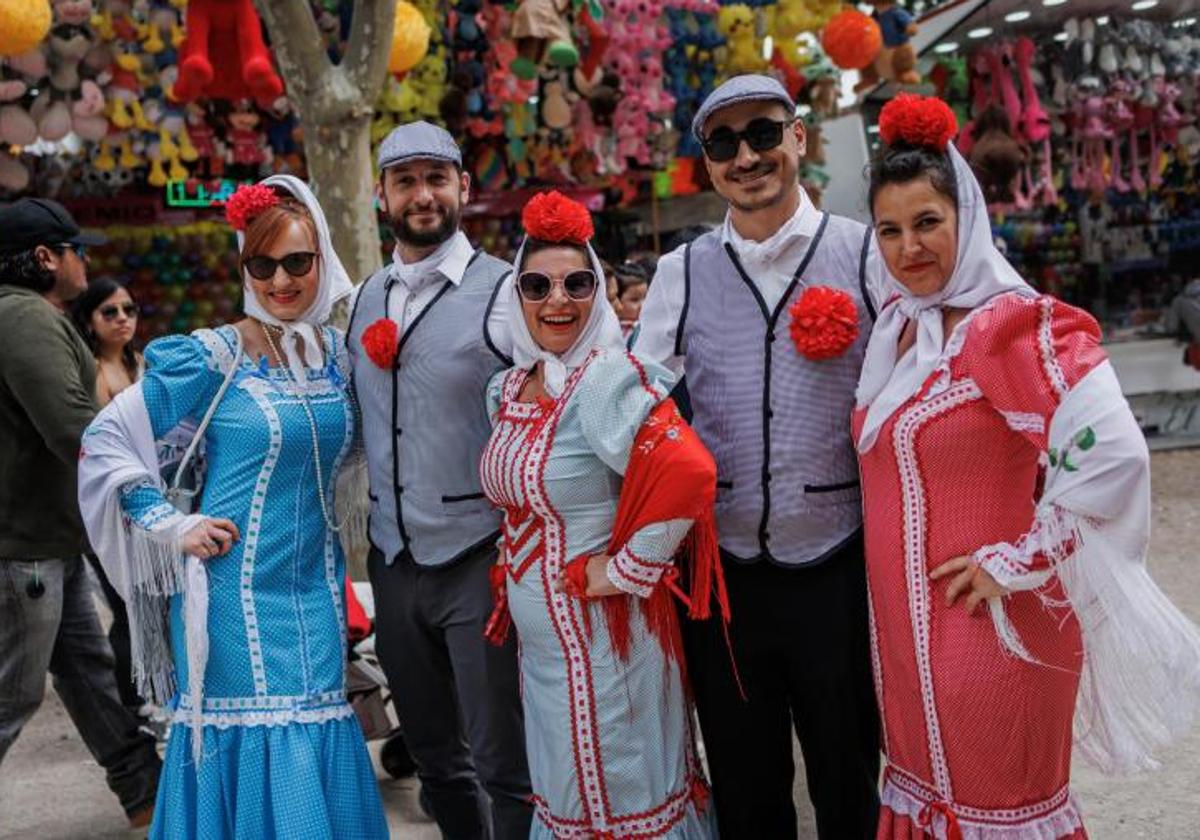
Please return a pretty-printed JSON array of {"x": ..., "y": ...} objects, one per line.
[
  {"x": 210, "y": 538},
  {"x": 970, "y": 578},
  {"x": 598, "y": 584}
]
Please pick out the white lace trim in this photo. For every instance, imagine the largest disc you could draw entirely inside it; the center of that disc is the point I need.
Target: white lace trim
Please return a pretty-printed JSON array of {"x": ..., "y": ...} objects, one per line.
[
  {"x": 631, "y": 574},
  {"x": 219, "y": 355},
  {"x": 1054, "y": 371},
  {"x": 264, "y": 717},
  {"x": 954, "y": 346},
  {"x": 1057, "y": 817},
  {"x": 1024, "y": 421},
  {"x": 904, "y": 435}
]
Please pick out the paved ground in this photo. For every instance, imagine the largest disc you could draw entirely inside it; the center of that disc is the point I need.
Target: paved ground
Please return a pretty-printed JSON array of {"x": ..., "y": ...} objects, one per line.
[{"x": 51, "y": 790}]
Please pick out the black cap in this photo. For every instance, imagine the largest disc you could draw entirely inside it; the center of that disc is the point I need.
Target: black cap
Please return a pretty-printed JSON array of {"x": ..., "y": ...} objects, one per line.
[{"x": 29, "y": 222}]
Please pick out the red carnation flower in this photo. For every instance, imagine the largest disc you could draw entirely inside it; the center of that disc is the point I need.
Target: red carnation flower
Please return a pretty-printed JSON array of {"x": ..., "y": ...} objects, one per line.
[
  {"x": 824, "y": 323},
  {"x": 248, "y": 201},
  {"x": 381, "y": 340},
  {"x": 918, "y": 121},
  {"x": 552, "y": 217}
]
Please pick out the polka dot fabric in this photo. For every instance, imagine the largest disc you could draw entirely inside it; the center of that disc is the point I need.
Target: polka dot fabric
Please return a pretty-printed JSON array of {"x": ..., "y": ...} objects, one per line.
[{"x": 283, "y": 753}]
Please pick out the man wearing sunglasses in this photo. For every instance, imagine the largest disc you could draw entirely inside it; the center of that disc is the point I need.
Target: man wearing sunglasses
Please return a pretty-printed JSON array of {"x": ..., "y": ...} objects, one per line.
[
  {"x": 788, "y": 508},
  {"x": 433, "y": 533},
  {"x": 48, "y": 619}
]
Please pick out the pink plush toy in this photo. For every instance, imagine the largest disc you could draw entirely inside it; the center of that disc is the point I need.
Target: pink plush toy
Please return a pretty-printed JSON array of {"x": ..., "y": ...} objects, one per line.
[
  {"x": 1119, "y": 117},
  {"x": 1035, "y": 125}
]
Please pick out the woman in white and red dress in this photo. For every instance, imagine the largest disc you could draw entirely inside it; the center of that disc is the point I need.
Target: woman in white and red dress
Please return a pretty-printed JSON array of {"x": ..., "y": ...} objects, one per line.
[
  {"x": 601, "y": 482},
  {"x": 1006, "y": 493}
]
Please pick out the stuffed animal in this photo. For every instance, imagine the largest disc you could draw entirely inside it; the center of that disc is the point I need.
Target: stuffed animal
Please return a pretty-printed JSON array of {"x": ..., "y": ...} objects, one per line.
[
  {"x": 71, "y": 46},
  {"x": 248, "y": 153},
  {"x": 224, "y": 56},
  {"x": 897, "y": 59},
  {"x": 788, "y": 19},
  {"x": 745, "y": 55},
  {"x": 996, "y": 156},
  {"x": 542, "y": 32},
  {"x": 17, "y": 127}
]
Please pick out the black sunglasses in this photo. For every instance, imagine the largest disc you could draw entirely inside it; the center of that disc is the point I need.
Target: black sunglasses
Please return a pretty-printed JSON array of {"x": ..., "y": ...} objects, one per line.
[
  {"x": 761, "y": 134},
  {"x": 109, "y": 312},
  {"x": 296, "y": 264},
  {"x": 534, "y": 286},
  {"x": 80, "y": 250}
]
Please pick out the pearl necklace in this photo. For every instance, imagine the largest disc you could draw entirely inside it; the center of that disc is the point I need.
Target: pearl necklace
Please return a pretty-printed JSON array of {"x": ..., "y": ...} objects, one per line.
[{"x": 312, "y": 427}]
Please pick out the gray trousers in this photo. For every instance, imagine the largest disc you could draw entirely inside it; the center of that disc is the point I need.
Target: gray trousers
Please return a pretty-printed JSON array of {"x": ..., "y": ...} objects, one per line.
[
  {"x": 457, "y": 695},
  {"x": 60, "y": 632}
]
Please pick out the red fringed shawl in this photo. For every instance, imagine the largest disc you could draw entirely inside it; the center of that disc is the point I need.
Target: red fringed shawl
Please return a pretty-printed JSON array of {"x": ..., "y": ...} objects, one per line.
[{"x": 671, "y": 475}]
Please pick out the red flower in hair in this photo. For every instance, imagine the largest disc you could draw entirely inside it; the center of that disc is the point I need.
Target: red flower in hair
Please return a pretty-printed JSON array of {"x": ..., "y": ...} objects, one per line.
[
  {"x": 248, "y": 201},
  {"x": 918, "y": 121},
  {"x": 552, "y": 217},
  {"x": 824, "y": 323},
  {"x": 381, "y": 340}
]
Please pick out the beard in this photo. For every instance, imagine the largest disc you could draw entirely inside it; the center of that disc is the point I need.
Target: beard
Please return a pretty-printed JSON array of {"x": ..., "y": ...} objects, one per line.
[{"x": 446, "y": 227}]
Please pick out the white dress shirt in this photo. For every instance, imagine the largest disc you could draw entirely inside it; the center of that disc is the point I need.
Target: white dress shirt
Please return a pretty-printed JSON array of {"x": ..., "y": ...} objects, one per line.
[
  {"x": 770, "y": 265},
  {"x": 411, "y": 287}
]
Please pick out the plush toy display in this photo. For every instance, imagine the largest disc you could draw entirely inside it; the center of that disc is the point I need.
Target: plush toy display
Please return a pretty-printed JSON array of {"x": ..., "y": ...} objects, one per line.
[
  {"x": 896, "y": 60},
  {"x": 744, "y": 49},
  {"x": 542, "y": 32},
  {"x": 224, "y": 56}
]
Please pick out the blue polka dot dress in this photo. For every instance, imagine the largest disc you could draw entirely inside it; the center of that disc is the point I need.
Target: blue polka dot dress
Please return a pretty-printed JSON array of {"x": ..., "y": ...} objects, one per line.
[{"x": 283, "y": 753}]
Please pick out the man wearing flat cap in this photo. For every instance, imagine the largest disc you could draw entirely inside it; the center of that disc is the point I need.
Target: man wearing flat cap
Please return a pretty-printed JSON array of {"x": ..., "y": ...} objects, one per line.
[
  {"x": 48, "y": 619},
  {"x": 720, "y": 311},
  {"x": 433, "y": 533}
]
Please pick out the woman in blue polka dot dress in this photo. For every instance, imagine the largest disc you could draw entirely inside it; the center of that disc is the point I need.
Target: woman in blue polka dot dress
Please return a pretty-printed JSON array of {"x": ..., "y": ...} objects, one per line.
[{"x": 266, "y": 745}]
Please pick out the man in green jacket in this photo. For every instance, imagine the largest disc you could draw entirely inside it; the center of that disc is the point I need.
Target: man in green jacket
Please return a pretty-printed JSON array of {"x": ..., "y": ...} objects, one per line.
[{"x": 48, "y": 620}]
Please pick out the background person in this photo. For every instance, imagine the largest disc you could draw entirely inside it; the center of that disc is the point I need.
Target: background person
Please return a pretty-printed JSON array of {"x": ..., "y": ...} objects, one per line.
[
  {"x": 106, "y": 316},
  {"x": 48, "y": 620}
]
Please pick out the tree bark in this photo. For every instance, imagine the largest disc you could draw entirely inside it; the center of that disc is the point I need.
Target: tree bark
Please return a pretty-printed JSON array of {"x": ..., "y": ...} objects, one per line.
[{"x": 335, "y": 104}]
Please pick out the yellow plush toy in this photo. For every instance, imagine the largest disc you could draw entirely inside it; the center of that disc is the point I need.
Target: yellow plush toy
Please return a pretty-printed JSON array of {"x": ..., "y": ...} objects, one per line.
[
  {"x": 789, "y": 19},
  {"x": 744, "y": 53}
]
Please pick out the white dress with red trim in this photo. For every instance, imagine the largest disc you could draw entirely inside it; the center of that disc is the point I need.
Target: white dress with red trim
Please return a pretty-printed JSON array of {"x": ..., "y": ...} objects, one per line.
[
  {"x": 610, "y": 741},
  {"x": 978, "y": 740}
]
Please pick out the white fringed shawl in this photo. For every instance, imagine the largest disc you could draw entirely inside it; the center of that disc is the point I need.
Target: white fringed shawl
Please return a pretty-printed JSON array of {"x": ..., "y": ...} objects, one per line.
[
  {"x": 145, "y": 567},
  {"x": 1140, "y": 685}
]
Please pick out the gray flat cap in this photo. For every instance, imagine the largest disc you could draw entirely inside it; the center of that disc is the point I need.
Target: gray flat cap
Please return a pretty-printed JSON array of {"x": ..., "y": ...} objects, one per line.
[
  {"x": 748, "y": 88},
  {"x": 418, "y": 141}
]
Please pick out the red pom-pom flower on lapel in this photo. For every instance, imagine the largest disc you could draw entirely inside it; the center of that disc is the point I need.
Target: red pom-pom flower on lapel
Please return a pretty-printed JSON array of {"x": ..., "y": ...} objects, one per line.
[
  {"x": 824, "y": 323},
  {"x": 247, "y": 202},
  {"x": 917, "y": 120},
  {"x": 381, "y": 340},
  {"x": 552, "y": 217}
]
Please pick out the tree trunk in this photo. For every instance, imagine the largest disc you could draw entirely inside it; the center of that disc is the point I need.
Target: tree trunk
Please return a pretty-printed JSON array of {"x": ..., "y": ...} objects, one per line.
[
  {"x": 340, "y": 170},
  {"x": 335, "y": 104}
]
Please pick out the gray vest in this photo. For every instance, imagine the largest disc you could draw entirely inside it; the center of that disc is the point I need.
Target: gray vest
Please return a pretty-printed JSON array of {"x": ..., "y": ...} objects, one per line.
[
  {"x": 425, "y": 421},
  {"x": 777, "y": 423}
]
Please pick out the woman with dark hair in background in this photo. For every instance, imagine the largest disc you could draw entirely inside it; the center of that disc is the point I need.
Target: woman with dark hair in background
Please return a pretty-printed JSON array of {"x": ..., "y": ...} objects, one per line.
[{"x": 106, "y": 316}]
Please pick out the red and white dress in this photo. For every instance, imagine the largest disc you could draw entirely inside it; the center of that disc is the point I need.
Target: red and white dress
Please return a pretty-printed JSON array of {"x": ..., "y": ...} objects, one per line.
[
  {"x": 609, "y": 736},
  {"x": 977, "y": 740}
]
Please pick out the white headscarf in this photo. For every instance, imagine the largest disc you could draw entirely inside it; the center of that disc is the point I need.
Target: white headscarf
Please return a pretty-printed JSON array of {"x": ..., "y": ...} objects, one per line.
[
  {"x": 980, "y": 273},
  {"x": 601, "y": 330},
  {"x": 334, "y": 284}
]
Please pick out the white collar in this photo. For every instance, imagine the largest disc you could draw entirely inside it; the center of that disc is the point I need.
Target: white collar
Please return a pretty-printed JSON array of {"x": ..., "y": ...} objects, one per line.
[
  {"x": 803, "y": 224},
  {"x": 449, "y": 260}
]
